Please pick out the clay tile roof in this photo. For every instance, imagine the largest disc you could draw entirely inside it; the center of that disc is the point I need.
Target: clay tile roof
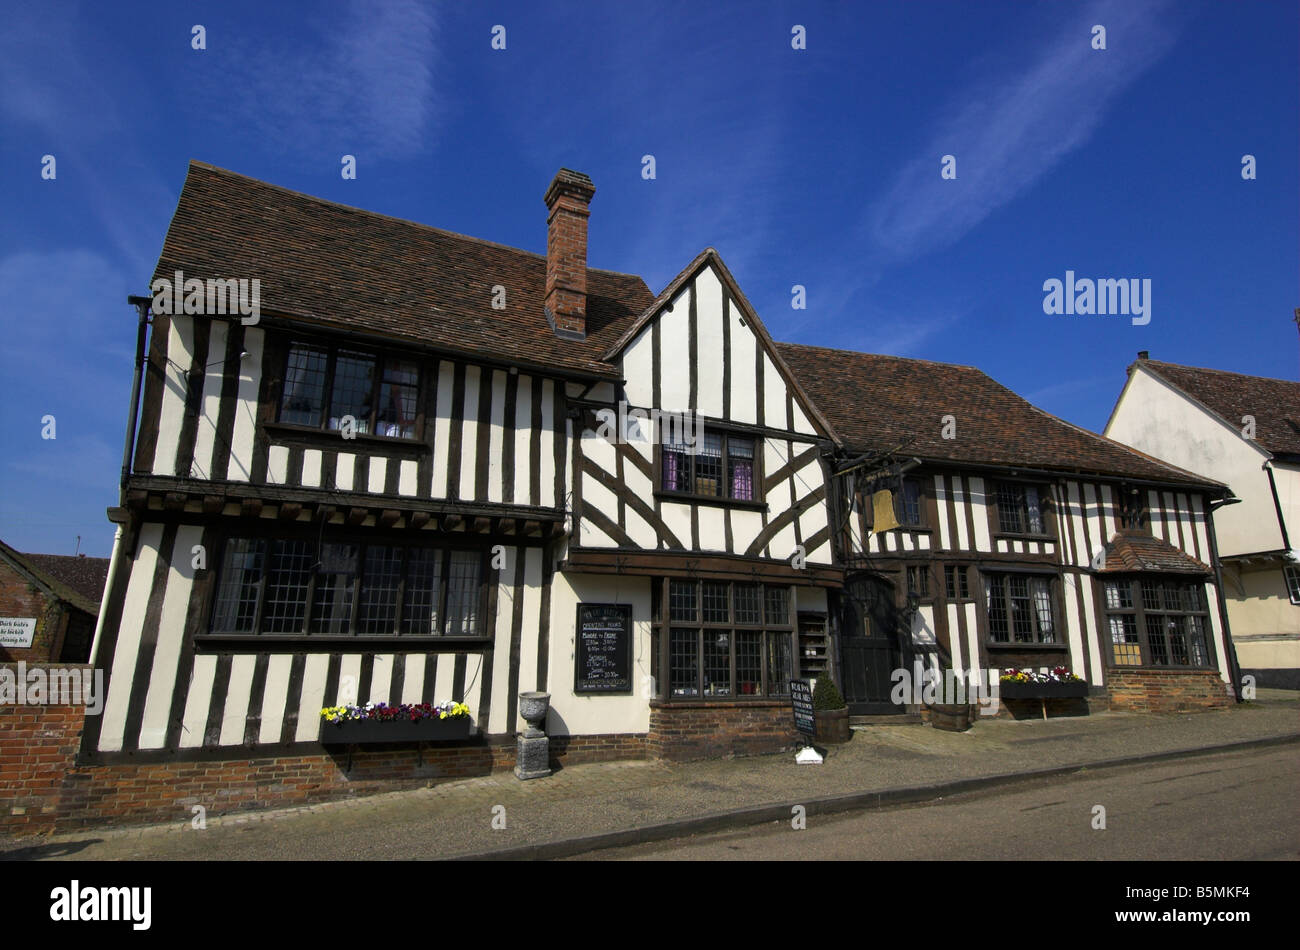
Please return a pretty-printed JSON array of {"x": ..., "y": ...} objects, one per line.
[
  {"x": 877, "y": 403},
  {"x": 355, "y": 269},
  {"x": 1275, "y": 403},
  {"x": 78, "y": 580},
  {"x": 1132, "y": 549}
]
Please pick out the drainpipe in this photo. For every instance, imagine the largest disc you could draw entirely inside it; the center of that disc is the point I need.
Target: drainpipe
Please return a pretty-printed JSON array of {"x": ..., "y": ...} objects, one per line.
[
  {"x": 104, "y": 597},
  {"x": 141, "y": 305},
  {"x": 1234, "y": 669}
]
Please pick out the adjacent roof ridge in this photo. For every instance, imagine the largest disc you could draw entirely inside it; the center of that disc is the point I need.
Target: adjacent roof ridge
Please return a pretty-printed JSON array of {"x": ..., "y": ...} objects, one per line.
[
  {"x": 1042, "y": 412},
  {"x": 1211, "y": 369},
  {"x": 1119, "y": 445},
  {"x": 59, "y": 586},
  {"x": 389, "y": 217},
  {"x": 885, "y": 356}
]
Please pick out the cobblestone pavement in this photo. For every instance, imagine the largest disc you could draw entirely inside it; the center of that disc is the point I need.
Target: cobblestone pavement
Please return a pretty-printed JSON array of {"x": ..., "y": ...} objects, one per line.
[{"x": 464, "y": 817}]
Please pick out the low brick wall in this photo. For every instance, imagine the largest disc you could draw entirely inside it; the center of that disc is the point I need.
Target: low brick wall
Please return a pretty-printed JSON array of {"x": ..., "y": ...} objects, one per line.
[
  {"x": 38, "y": 744},
  {"x": 1166, "y": 691},
  {"x": 680, "y": 732},
  {"x": 44, "y": 789}
]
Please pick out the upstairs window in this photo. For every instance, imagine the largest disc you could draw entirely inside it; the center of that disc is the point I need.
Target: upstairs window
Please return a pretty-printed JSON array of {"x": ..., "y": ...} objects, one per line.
[
  {"x": 1021, "y": 509},
  {"x": 1131, "y": 508},
  {"x": 907, "y": 495},
  {"x": 720, "y": 466},
  {"x": 323, "y": 385},
  {"x": 907, "y": 503}
]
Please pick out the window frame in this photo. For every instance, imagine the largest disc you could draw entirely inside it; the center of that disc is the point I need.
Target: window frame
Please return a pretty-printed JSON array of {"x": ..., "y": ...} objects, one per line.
[
  {"x": 900, "y": 504},
  {"x": 727, "y": 433},
  {"x": 1046, "y": 510},
  {"x": 954, "y": 592},
  {"x": 1058, "y": 641},
  {"x": 1132, "y": 508},
  {"x": 663, "y": 624},
  {"x": 1292, "y": 591},
  {"x": 382, "y": 356},
  {"x": 1140, "y": 612},
  {"x": 863, "y": 502},
  {"x": 363, "y": 541},
  {"x": 916, "y": 579}
]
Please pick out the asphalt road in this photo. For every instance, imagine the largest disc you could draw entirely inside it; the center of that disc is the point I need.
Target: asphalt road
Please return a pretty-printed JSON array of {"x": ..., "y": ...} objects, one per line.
[{"x": 1231, "y": 806}]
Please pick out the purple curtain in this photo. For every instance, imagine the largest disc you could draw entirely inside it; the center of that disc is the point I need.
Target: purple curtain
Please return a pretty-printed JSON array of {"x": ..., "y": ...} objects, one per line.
[
  {"x": 670, "y": 471},
  {"x": 742, "y": 479}
]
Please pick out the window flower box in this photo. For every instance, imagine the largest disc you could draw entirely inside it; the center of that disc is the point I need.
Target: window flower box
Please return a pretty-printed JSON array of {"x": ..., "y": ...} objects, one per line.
[
  {"x": 1042, "y": 690},
  {"x": 1060, "y": 683},
  {"x": 376, "y": 723}
]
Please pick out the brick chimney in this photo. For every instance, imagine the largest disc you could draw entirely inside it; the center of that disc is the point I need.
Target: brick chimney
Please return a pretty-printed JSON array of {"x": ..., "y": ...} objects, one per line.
[{"x": 567, "y": 210}]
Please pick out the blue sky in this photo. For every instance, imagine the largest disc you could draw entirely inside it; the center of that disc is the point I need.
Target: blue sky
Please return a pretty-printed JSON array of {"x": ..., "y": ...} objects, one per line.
[{"x": 817, "y": 167}]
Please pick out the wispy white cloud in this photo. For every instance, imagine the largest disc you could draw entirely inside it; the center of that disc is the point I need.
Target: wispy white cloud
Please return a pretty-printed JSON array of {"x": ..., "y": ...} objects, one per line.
[
  {"x": 48, "y": 84},
  {"x": 365, "y": 86},
  {"x": 1007, "y": 132},
  {"x": 1068, "y": 387},
  {"x": 902, "y": 334}
]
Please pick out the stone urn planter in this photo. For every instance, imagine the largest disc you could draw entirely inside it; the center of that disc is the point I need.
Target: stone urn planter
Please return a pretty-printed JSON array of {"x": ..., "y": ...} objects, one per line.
[
  {"x": 532, "y": 748},
  {"x": 532, "y": 709},
  {"x": 951, "y": 717}
]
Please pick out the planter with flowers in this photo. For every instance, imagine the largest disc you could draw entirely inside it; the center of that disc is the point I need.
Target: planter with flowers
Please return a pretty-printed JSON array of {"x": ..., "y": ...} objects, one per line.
[
  {"x": 1059, "y": 683},
  {"x": 380, "y": 722}
]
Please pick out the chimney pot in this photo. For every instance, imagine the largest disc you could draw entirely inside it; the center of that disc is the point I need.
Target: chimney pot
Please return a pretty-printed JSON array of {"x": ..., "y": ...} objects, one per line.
[
  {"x": 1144, "y": 354},
  {"x": 568, "y": 201}
]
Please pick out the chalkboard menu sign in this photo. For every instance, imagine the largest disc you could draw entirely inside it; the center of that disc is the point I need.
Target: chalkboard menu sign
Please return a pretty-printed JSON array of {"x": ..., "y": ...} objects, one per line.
[
  {"x": 604, "y": 649},
  {"x": 805, "y": 721}
]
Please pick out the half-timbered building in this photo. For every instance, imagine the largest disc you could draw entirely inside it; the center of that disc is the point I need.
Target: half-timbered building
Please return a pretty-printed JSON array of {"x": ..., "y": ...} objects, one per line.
[
  {"x": 1244, "y": 430},
  {"x": 1016, "y": 540},
  {"x": 396, "y": 485},
  {"x": 429, "y": 466}
]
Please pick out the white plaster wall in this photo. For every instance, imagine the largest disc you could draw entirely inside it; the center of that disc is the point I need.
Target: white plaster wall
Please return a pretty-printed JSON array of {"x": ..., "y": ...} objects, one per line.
[
  {"x": 574, "y": 714},
  {"x": 1157, "y": 419}
]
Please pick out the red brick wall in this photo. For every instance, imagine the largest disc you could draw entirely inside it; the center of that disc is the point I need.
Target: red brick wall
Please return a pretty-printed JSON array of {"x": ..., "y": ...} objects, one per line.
[
  {"x": 1166, "y": 691},
  {"x": 20, "y": 598},
  {"x": 42, "y": 789},
  {"x": 37, "y": 746},
  {"x": 684, "y": 731}
]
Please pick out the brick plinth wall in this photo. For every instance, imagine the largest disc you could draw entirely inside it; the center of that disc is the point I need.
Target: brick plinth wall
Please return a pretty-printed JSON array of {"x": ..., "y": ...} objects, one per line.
[
  {"x": 1166, "y": 691},
  {"x": 680, "y": 732},
  {"x": 44, "y": 789}
]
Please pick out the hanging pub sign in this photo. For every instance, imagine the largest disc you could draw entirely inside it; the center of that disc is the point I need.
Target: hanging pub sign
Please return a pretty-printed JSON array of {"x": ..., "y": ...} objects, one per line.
[
  {"x": 805, "y": 720},
  {"x": 603, "y": 658}
]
